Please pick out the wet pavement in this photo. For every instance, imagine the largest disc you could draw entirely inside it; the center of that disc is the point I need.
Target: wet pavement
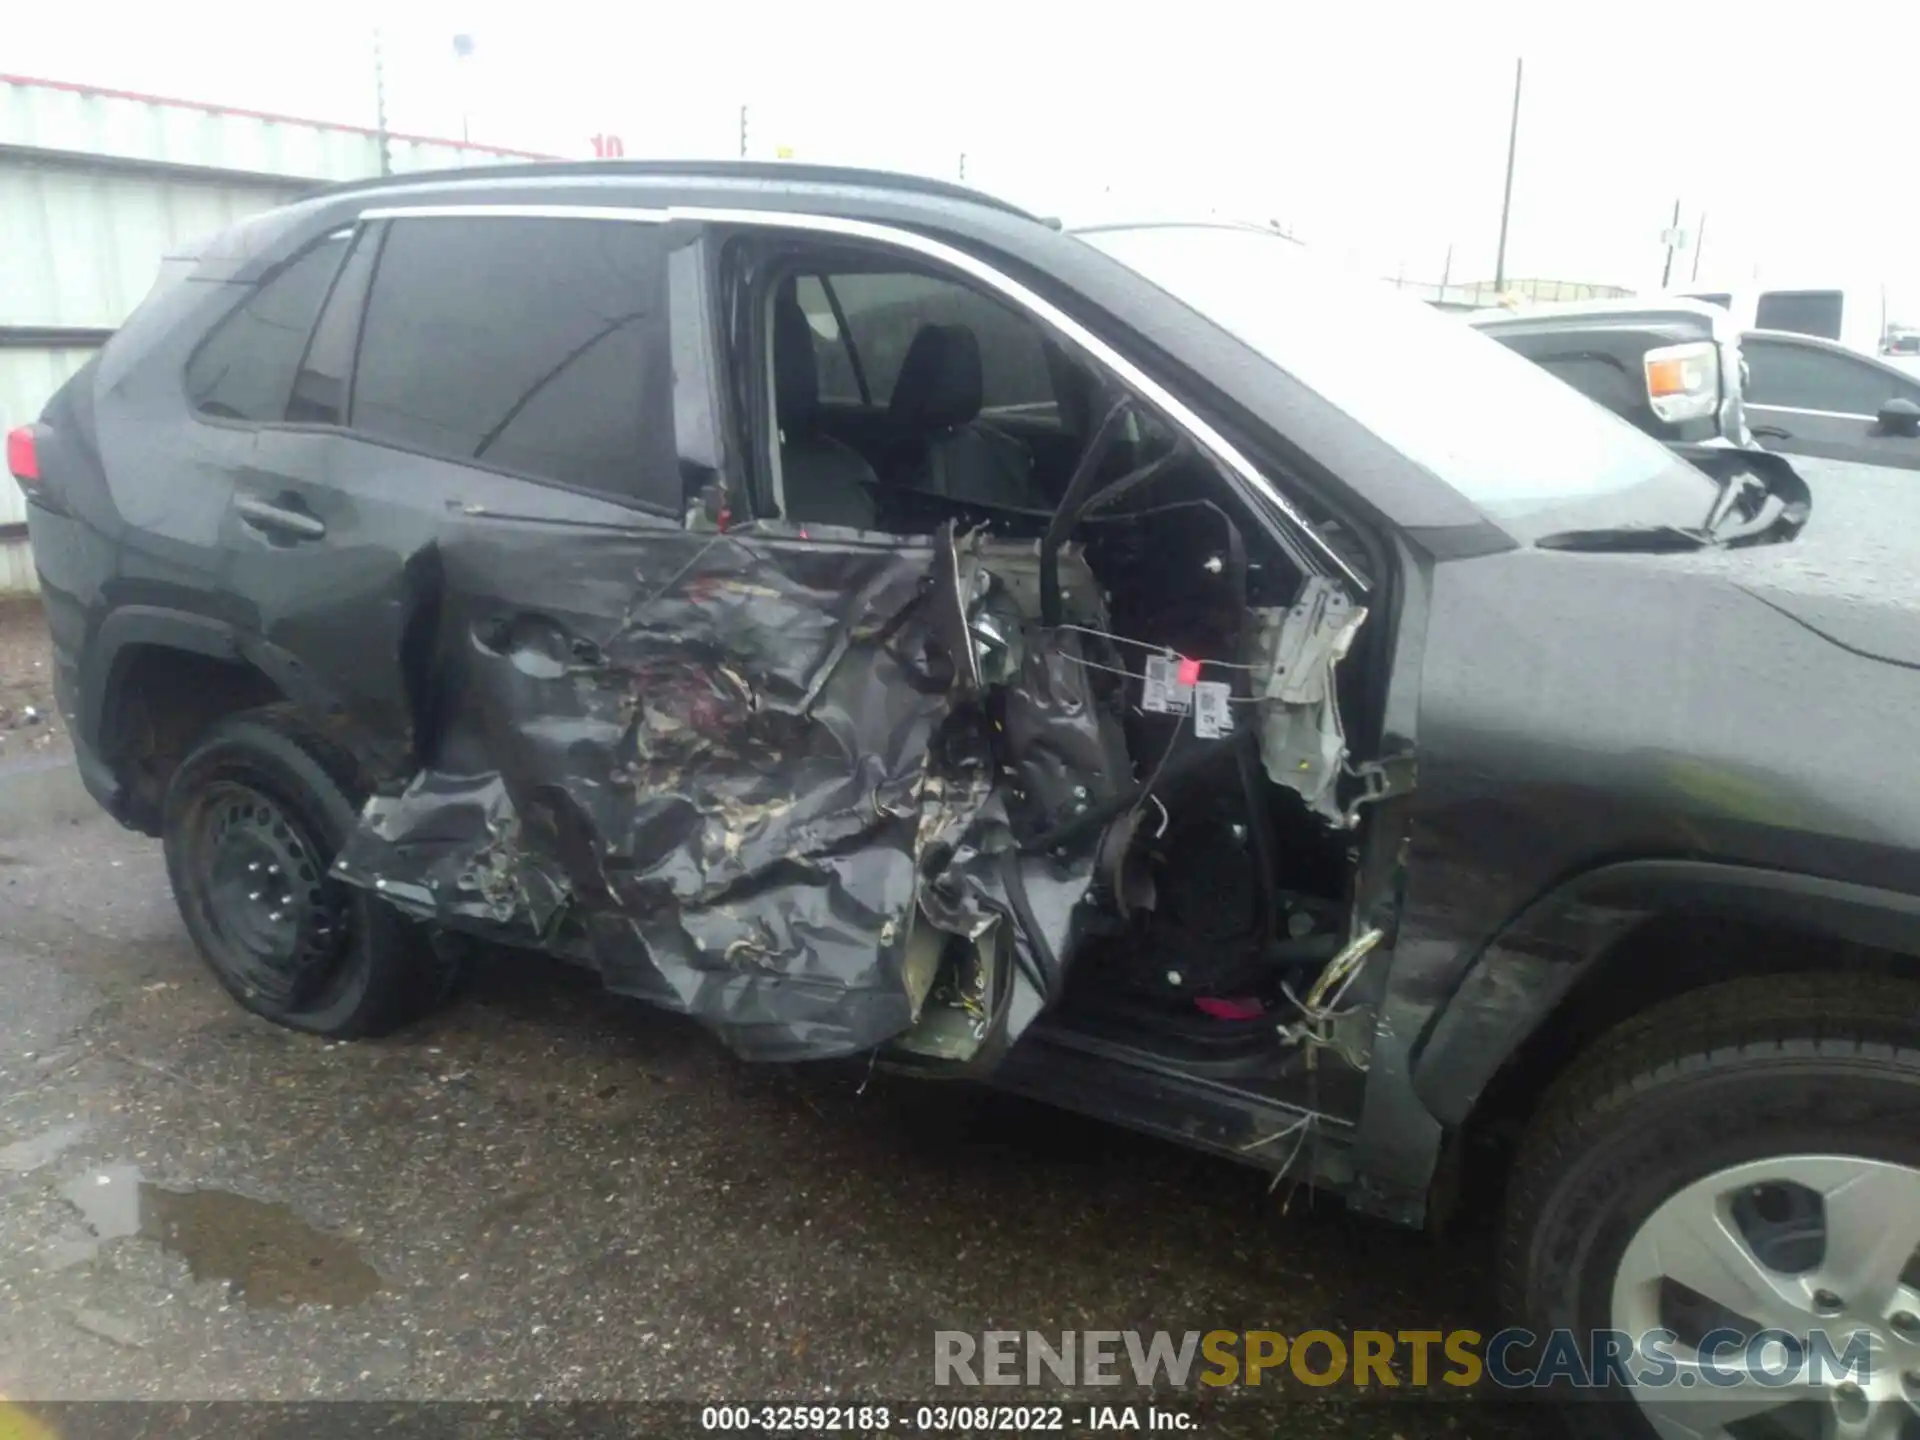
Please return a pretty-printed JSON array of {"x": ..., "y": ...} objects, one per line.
[{"x": 547, "y": 1193}]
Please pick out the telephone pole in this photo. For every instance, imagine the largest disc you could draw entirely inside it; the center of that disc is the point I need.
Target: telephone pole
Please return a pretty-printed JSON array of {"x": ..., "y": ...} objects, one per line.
[
  {"x": 1673, "y": 242},
  {"x": 1506, "y": 200},
  {"x": 380, "y": 105},
  {"x": 743, "y": 132}
]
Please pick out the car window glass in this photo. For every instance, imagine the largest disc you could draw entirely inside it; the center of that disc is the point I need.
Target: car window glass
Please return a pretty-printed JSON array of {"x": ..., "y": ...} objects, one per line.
[
  {"x": 320, "y": 385},
  {"x": 837, "y": 379},
  {"x": 1801, "y": 377},
  {"x": 1804, "y": 312},
  {"x": 885, "y": 311},
  {"x": 537, "y": 346},
  {"x": 244, "y": 371}
]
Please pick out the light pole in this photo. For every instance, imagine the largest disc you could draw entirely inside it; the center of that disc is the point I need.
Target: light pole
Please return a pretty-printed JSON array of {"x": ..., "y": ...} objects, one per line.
[
  {"x": 462, "y": 53},
  {"x": 380, "y": 105},
  {"x": 1506, "y": 199},
  {"x": 1673, "y": 243}
]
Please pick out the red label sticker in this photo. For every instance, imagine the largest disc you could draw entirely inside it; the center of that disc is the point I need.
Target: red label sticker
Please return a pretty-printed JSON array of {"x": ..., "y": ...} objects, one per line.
[{"x": 1189, "y": 671}]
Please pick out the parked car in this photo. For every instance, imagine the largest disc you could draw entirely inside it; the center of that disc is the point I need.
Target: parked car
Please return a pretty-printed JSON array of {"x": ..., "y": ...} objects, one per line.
[
  {"x": 1371, "y": 762},
  {"x": 1807, "y": 396},
  {"x": 1668, "y": 367},
  {"x": 1679, "y": 371}
]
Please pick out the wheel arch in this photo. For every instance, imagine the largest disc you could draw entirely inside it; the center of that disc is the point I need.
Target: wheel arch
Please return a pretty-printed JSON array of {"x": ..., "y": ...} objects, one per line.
[
  {"x": 1615, "y": 940},
  {"x": 153, "y": 679}
]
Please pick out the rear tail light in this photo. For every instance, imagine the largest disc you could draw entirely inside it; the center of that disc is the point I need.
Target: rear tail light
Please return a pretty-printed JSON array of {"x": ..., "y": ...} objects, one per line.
[
  {"x": 1683, "y": 381},
  {"x": 23, "y": 455}
]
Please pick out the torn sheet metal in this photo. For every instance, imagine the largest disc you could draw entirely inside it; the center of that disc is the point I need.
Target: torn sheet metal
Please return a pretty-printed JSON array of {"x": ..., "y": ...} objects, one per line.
[
  {"x": 1294, "y": 655},
  {"x": 734, "y": 773}
]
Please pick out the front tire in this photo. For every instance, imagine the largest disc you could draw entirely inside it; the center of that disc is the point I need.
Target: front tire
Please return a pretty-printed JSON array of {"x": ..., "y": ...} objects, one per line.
[
  {"x": 1742, "y": 1158},
  {"x": 252, "y": 820}
]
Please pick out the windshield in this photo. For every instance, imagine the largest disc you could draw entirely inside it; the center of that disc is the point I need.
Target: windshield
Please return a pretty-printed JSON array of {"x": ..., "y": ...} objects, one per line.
[{"x": 1522, "y": 445}]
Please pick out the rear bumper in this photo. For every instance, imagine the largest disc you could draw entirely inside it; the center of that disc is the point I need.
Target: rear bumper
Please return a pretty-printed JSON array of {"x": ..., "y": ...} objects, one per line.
[{"x": 71, "y": 566}]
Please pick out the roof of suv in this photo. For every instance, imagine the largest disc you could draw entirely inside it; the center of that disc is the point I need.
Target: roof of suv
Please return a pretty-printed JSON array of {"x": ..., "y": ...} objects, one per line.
[{"x": 760, "y": 174}]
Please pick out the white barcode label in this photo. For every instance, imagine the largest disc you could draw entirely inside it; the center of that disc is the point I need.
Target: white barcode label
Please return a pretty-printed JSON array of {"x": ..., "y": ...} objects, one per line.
[
  {"x": 1162, "y": 692},
  {"x": 1211, "y": 717}
]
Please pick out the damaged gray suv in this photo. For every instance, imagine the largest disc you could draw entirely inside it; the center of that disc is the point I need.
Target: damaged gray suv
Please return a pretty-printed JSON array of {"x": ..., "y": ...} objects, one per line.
[{"x": 1139, "y": 667}]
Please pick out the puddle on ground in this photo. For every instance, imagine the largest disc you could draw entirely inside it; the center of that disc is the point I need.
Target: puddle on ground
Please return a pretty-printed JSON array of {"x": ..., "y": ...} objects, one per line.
[{"x": 267, "y": 1254}]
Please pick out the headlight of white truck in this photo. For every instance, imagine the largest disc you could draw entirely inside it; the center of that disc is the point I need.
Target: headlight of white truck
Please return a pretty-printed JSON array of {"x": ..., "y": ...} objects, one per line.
[{"x": 1683, "y": 381}]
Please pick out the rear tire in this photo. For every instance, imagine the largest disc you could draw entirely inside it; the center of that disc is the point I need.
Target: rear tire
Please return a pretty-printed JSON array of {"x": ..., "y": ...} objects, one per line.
[
  {"x": 1756, "y": 1104},
  {"x": 251, "y": 823}
]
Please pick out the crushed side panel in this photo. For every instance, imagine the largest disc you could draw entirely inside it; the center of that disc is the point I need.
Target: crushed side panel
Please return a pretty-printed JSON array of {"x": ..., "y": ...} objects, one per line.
[{"x": 705, "y": 754}]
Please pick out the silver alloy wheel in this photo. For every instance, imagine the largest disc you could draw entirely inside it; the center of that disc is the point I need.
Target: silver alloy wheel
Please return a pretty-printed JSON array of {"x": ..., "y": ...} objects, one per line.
[{"x": 1840, "y": 1260}]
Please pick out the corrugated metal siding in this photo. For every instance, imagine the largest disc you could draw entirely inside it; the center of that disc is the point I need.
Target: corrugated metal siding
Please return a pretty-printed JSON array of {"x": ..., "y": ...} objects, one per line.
[
  {"x": 16, "y": 568},
  {"x": 27, "y": 378},
  {"x": 60, "y": 117},
  {"x": 97, "y": 187},
  {"x": 83, "y": 246}
]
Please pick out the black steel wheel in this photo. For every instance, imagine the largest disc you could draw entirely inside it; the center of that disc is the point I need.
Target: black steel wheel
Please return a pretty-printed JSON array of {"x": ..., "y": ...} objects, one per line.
[{"x": 252, "y": 820}]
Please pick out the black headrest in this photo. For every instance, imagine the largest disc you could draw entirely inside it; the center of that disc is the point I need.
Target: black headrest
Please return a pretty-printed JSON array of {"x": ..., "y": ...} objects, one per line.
[
  {"x": 939, "y": 384},
  {"x": 796, "y": 369}
]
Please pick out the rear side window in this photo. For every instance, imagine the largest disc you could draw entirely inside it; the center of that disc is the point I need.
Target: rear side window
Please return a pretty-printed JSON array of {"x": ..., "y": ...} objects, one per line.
[
  {"x": 1804, "y": 312},
  {"x": 885, "y": 311},
  {"x": 320, "y": 384},
  {"x": 244, "y": 370},
  {"x": 539, "y": 347},
  {"x": 1804, "y": 377}
]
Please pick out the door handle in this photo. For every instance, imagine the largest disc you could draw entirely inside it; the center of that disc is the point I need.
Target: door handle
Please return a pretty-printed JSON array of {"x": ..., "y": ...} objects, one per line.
[{"x": 280, "y": 520}]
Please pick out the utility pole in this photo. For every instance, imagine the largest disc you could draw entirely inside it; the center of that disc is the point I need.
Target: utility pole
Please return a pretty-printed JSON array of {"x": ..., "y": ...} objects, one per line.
[
  {"x": 1446, "y": 270},
  {"x": 963, "y": 165},
  {"x": 1699, "y": 244},
  {"x": 380, "y": 106},
  {"x": 462, "y": 53},
  {"x": 1673, "y": 239},
  {"x": 743, "y": 132},
  {"x": 1506, "y": 200}
]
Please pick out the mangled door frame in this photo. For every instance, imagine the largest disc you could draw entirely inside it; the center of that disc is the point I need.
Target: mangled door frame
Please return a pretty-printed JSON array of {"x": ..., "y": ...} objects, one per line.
[{"x": 949, "y": 807}]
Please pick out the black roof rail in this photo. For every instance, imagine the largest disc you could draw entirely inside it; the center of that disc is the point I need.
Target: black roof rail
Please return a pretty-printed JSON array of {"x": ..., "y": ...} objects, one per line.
[{"x": 769, "y": 170}]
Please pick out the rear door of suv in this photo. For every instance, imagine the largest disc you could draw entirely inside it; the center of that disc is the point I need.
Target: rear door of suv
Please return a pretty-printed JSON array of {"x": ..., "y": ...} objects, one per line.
[{"x": 463, "y": 364}]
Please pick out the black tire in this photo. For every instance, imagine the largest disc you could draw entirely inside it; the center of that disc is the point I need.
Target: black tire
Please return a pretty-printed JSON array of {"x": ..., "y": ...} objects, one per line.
[
  {"x": 251, "y": 822},
  {"x": 1739, "y": 1072}
]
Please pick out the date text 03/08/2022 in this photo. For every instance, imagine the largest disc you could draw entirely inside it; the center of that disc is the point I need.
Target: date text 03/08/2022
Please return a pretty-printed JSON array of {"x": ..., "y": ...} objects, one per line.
[{"x": 938, "y": 1419}]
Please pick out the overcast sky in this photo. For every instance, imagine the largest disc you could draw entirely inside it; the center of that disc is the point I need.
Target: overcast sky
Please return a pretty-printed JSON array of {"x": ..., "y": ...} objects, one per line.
[{"x": 1377, "y": 130}]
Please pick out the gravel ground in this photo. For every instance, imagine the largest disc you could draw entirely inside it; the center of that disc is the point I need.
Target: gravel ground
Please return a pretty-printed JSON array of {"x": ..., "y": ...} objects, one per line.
[
  {"x": 546, "y": 1194},
  {"x": 29, "y": 725}
]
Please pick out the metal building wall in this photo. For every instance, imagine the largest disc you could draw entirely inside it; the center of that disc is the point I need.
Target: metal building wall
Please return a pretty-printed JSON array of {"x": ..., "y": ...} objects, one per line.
[{"x": 97, "y": 186}]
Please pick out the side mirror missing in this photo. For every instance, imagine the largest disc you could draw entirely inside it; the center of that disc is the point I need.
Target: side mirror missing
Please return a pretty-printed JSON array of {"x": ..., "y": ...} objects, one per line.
[{"x": 1900, "y": 416}]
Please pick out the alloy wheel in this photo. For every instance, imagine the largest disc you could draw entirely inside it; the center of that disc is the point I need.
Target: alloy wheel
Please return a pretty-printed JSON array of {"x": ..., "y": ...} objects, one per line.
[{"x": 1799, "y": 1250}]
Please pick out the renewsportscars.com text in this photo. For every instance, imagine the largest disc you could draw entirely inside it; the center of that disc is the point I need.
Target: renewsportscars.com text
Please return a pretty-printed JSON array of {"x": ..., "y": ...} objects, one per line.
[{"x": 1512, "y": 1359}]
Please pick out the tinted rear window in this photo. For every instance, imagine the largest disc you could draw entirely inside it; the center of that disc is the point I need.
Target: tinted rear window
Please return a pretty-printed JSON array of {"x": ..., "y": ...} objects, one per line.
[
  {"x": 244, "y": 370},
  {"x": 1805, "y": 312}
]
